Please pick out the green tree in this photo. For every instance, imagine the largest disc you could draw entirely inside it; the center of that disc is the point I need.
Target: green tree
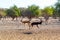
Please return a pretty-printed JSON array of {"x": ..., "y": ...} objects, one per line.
[
  {"x": 54, "y": 13},
  {"x": 49, "y": 11},
  {"x": 57, "y": 7},
  {"x": 34, "y": 10},
  {"x": 46, "y": 12},
  {"x": 2, "y": 13},
  {"x": 13, "y": 12}
]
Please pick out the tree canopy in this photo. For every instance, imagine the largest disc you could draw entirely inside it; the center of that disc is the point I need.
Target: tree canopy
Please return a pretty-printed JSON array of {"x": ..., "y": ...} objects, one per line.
[
  {"x": 57, "y": 7},
  {"x": 13, "y": 12},
  {"x": 34, "y": 10},
  {"x": 48, "y": 11}
]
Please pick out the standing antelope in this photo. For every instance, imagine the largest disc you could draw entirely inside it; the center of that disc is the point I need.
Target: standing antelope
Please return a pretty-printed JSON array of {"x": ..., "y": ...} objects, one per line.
[
  {"x": 36, "y": 23},
  {"x": 26, "y": 21}
]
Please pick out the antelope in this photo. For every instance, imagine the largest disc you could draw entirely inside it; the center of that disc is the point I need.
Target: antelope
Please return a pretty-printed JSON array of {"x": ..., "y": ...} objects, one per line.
[
  {"x": 36, "y": 23},
  {"x": 26, "y": 21}
]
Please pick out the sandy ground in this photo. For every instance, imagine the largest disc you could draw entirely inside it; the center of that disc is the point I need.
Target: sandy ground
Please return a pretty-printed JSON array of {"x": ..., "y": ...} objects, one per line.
[
  {"x": 15, "y": 30},
  {"x": 29, "y": 34}
]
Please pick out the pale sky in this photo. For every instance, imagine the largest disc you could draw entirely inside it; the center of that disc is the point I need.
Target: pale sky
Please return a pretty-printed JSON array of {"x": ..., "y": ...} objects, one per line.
[{"x": 26, "y": 3}]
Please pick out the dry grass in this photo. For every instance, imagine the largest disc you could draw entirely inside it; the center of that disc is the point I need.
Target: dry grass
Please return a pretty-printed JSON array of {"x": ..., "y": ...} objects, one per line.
[
  {"x": 14, "y": 30},
  {"x": 22, "y": 35}
]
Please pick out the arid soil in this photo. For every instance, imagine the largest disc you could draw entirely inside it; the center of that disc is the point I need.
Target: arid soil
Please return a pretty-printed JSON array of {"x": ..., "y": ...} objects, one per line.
[
  {"x": 29, "y": 34},
  {"x": 15, "y": 30}
]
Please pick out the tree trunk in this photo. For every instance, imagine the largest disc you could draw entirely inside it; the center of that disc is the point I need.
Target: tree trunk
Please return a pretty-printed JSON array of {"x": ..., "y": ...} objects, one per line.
[
  {"x": 59, "y": 18},
  {"x": 12, "y": 18},
  {"x": 16, "y": 18}
]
